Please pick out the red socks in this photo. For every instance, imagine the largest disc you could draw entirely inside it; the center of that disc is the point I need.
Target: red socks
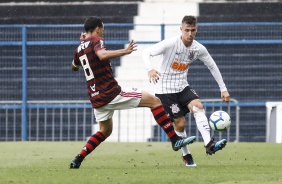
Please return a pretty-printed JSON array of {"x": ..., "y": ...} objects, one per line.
[
  {"x": 92, "y": 143},
  {"x": 163, "y": 120}
]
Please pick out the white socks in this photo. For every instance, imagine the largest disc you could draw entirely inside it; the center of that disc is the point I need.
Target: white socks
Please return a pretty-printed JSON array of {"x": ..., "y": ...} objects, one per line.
[{"x": 202, "y": 124}]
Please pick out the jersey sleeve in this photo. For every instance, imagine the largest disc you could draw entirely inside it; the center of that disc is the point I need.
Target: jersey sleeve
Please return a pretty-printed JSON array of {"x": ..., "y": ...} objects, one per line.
[
  {"x": 75, "y": 61},
  {"x": 99, "y": 44},
  {"x": 154, "y": 50},
  {"x": 209, "y": 62}
]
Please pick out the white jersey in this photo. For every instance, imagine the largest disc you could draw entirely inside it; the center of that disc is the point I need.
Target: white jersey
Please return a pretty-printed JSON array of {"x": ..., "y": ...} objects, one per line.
[{"x": 175, "y": 61}]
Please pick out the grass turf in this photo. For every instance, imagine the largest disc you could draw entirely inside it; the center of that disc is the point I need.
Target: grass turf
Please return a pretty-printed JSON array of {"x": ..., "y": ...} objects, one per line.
[{"x": 48, "y": 162}]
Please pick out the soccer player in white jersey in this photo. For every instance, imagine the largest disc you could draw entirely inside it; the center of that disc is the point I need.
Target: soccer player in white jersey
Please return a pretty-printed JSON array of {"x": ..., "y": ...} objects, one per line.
[{"x": 172, "y": 87}]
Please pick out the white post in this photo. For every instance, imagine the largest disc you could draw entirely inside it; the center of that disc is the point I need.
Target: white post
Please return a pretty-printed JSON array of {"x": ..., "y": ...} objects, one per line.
[{"x": 274, "y": 122}]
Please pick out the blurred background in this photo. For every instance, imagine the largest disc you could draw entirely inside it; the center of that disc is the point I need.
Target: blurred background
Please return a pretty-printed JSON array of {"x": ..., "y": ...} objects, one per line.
[{"x": 41, "y": 99}]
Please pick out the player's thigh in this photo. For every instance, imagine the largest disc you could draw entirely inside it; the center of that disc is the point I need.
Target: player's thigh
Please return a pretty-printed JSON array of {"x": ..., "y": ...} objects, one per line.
[
  {"x": 195, "y": 103},
  {"x": 149, "y": 100}
]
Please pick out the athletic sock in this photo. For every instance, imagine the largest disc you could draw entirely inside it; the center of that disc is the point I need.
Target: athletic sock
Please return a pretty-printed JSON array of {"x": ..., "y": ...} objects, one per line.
[
  {"x": 184, "y": 149},
  {"x": 165, "y": 123},
  {"x": 91, "y": 144},
  {"x": 202, "y": 124}
]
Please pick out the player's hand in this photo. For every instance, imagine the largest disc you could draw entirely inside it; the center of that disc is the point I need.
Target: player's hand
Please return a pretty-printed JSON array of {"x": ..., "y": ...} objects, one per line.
[
  {"x": 154, "y": 76},
  {"x": 131, "y": 47},
  {"x": 225, "y": 96},
  {"x": 82, "y": 36}
]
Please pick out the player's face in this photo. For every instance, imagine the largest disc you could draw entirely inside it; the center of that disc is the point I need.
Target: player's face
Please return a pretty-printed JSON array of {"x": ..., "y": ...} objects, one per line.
[{"x": 188, "y": 33}]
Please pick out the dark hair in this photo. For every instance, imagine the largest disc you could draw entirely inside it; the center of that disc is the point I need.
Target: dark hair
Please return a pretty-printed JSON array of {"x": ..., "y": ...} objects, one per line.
[
  {"x": 91, "y": 23},
  {"x": 189, "y": 19}
]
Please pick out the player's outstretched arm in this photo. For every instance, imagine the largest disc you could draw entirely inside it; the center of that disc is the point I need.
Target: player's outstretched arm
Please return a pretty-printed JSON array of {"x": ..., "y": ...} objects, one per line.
[{"x": 104, "y": 54}]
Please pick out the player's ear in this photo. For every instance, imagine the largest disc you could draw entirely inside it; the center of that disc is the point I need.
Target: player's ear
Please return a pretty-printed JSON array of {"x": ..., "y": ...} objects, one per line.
[
  {"x": 196, "y": 30},
  {"x": 99, "y": 30}
]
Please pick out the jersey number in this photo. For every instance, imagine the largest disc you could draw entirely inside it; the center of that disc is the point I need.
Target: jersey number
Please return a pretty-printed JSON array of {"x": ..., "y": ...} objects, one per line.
[{"x": 86, "y": 67}]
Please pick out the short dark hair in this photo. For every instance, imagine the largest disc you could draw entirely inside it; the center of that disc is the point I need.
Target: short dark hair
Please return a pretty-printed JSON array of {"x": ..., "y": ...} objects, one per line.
[
  {"x": 189, "y": 19},
  {"x": 91, "y": 23}
]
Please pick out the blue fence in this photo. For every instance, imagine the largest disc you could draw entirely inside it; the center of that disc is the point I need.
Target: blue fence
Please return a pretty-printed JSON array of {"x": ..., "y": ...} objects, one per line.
[{"x": 30, "y": 51}]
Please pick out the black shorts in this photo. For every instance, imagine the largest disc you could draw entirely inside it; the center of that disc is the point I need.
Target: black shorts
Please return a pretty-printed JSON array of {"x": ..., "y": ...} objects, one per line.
[{"x": 176, "y": 103}]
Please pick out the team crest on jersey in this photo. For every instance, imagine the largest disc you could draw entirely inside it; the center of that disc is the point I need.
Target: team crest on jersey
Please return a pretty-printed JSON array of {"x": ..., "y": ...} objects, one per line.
[
  {"x": 174, "y": 108},
  {"x": 191, "y": 55},
  {"x": 134, "y": 89}
]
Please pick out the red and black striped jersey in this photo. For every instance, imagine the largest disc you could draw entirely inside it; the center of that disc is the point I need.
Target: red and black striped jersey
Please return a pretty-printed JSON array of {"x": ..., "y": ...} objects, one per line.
[{"x": 101, "y": 84}]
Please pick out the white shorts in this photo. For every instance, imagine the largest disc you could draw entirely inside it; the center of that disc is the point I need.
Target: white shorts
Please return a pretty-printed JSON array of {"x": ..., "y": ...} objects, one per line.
[{"x": 127, "y": 99}]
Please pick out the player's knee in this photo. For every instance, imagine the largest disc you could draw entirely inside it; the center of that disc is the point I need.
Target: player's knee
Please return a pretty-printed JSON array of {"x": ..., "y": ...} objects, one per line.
[
  {"x": 156, "y": 101},
  {"x": 199, "y": 114},
  {"x": 179, "y": 123},
  {"x": 198, "y": 109},
  {"x": 195, "y": 104},
  {"x": 180, "y": 126},
  {"x": 149, "y": 100}
]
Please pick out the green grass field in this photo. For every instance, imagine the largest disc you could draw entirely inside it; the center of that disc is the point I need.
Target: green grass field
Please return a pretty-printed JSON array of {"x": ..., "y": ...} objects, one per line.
[{"x": 48, "y": 162}]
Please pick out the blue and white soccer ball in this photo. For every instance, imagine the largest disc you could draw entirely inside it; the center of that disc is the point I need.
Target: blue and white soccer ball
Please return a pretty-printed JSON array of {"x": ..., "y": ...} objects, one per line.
[{"x": 220, "y": 121}]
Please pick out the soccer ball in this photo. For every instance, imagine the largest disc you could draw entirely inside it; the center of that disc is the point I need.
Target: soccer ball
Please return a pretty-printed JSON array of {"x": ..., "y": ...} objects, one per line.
[{"x": 220, "y": 121}]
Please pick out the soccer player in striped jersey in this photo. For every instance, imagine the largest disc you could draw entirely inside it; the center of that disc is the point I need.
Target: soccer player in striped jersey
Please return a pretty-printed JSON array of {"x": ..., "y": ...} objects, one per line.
[
  {"x": 106, "y": 95},
  {"x": 172, "y": 87}
]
